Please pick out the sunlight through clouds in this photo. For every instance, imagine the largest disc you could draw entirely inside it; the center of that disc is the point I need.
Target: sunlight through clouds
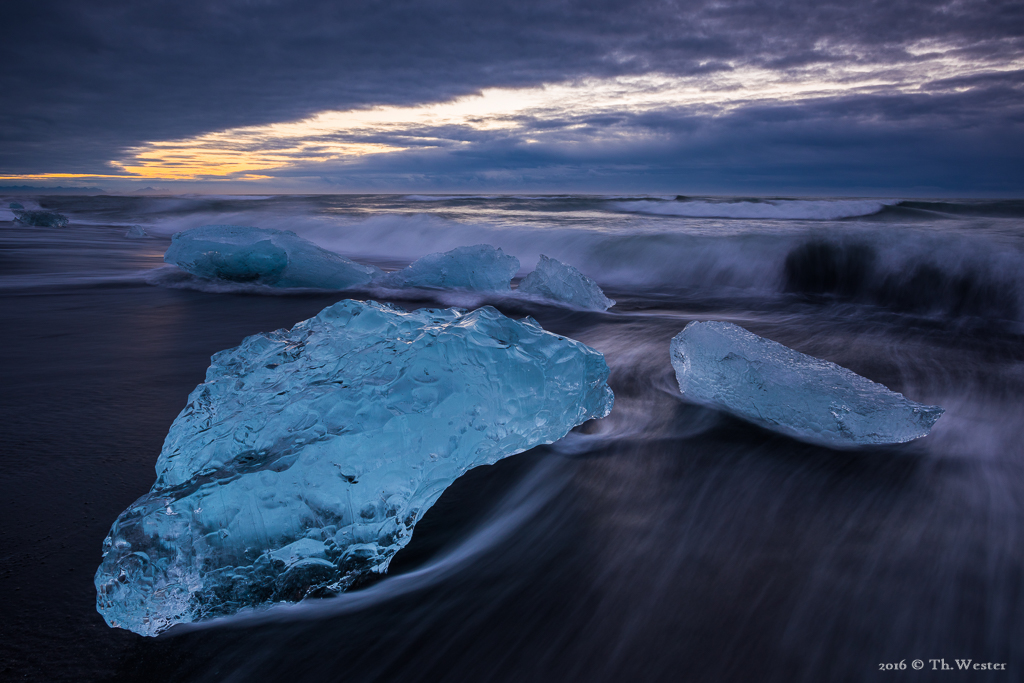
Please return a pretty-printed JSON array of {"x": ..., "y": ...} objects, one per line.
[{"x": 561, "y": 112}]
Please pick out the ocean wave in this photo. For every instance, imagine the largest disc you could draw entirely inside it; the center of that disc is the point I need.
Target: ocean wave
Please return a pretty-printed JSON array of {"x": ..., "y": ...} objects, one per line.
[
  {"x": 30, "y": 281},
  {"x": 765, "y": 209},
  {"x": 918, "y": 271},
  {"x": 954, "y": 279},
  {"x": 948, "y": 268},
  {"x": 448, "y": 198},
  {"x": 228, "y": 197},
  {"x": 1003, "y": 208},
  {"x": 582, "y": 199}
]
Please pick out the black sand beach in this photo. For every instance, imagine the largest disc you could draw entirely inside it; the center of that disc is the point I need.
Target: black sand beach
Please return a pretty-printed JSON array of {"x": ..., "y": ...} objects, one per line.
[{"x": 666, "y": 542}]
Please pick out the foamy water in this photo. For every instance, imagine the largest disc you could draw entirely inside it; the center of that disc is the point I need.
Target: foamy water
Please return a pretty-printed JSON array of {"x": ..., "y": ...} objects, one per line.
[
  {"x": 892, "y": 253},
  {"x": 664, "y": 541}
]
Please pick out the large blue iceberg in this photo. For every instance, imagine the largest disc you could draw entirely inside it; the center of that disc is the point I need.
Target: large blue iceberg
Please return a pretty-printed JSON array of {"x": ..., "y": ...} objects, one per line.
[
  {"x": 277, "y": 258},
  {"x": 561, "y": 282},
  {"x": 40, "y": 219},
  {"x": 726, "y": 367},
  {"x": 307, "y": 456},
  {"x": 480, "y": 268}
]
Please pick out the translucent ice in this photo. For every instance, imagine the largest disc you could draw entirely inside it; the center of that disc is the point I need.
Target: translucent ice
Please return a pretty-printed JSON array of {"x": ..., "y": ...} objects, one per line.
[
  {"x": 307, "y": 456},
  {"x": 479, "y": 268},
  {"x": 726, "y": 367},
  {"x": 560, "y": 282},
  {"x": 16, "y": 205},
  {"x": 137, "y": 232},
  {"x": 267, "y": 257},
  {"x": 40, "y": 219}
]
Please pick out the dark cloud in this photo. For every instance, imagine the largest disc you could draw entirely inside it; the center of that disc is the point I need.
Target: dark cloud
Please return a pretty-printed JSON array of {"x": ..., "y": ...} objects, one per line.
[
  {"x": 83, "y": 81},
  {"x": 966, "y": 143}
]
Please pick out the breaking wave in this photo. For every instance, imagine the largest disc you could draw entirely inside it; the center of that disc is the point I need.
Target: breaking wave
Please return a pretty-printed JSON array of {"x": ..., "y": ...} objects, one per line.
[
  {"x": 447, "y": 198},
  {"x": 946, "y": 258},
  {"x": 765, "y": 209},
  {"x": 964, "y": 281},
  {"x": 914, "y": 272}
]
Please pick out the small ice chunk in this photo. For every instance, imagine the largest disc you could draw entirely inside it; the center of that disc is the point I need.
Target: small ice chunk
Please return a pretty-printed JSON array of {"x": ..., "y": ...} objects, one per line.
[
  {"x": 305, "y": 459},
  {"x": 479, "y": 268},
  {"x": 16, "y": 205},
  {"x": 278, "y": 258},
  {"x": 726, "y": 367},
  {"x": 137, "y": 232},
  {"x": 561, "y": 282},
  {"x": 40, "y": 219}
]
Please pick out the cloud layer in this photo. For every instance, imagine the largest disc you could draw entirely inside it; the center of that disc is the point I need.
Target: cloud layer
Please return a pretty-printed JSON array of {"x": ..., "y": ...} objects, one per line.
[{"x": 558, "y": 95}]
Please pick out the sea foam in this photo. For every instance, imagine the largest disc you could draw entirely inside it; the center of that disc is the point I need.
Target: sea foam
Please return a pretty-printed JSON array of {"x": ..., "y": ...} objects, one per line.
[{"x": 780, "y": 209}]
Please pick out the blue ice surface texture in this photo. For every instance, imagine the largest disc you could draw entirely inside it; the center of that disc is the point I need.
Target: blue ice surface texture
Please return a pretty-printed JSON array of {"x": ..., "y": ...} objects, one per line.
[
  {"x": 558, "y": 281},
  {"x": 307, "y": 456},
  {"x": 16, "y": 205},
  {"x": 40, "y": 219},
  {"x": 480, "y": 268},
  {"x": 277, "y": 258},
  {"x": 137, "y": 232},
  {"x": 724, "y": 366}
]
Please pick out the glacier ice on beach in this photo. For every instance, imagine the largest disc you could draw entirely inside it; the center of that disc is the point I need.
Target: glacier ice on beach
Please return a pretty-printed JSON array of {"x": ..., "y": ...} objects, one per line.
[
  {"x": 307, "y": 456},
  {"x": 40, "y": 219},
  {"x": 558, "y": 281},
  {"x": 137, "y": 232},
  {"x": 278, "y": 258},
  {"x": 726, "y": 367},
  {"x": 16, "y": 205},
  {"x": 480, "y": 268}
]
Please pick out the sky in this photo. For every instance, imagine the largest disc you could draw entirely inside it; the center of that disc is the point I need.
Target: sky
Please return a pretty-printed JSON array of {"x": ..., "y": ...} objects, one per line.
[{"x": 733, "y": 97}]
